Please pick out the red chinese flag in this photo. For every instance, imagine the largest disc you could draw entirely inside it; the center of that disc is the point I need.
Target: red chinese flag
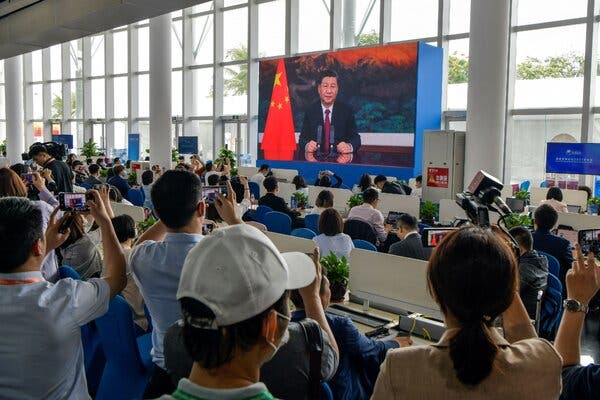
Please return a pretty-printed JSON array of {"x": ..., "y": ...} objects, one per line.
[{"x": 279, "y": 138}]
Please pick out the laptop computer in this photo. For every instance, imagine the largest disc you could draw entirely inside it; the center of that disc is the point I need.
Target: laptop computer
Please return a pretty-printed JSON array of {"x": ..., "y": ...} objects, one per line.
[
  {"x": 515, "y": 205},
  {"x": 574, "y": 209}
]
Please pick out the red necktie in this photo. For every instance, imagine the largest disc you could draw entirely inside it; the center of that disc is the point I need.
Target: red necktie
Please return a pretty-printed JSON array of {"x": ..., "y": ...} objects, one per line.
[{"x": 327, "y": 129}]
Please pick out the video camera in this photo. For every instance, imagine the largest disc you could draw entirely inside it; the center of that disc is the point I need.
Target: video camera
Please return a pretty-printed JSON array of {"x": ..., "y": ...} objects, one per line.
[
  {"x": 56, "y": 150},
  {"x": 483, "y": 193}
]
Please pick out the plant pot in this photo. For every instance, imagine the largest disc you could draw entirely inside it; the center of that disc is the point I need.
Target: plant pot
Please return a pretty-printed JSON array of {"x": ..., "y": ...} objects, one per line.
[
  {"x": 593, "y": 209},
  {"x": 338, "y": 291}
]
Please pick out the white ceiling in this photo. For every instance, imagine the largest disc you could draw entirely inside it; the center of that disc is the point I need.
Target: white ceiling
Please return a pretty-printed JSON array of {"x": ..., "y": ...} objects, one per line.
[{"x": 44, "y": 23}]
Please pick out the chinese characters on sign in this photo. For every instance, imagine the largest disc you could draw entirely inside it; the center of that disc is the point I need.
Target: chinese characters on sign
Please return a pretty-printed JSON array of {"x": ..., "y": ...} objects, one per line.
[{"x": 437, "y": 177}]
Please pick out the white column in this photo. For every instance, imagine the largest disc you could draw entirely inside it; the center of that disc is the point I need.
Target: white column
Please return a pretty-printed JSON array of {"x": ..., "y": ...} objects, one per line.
[
  {"x": 486, "y": 99},
  {"x": 160, "y": 90},
  {"x": 15, "y": 136}
]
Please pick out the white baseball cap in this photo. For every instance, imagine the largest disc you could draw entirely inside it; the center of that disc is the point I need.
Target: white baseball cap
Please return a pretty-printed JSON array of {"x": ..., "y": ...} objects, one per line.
[{"x": 238, "y": 273}]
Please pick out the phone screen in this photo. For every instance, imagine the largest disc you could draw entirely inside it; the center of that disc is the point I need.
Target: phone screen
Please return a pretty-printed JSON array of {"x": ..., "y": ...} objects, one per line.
[
  {"x": 589, "y": 240},
  {"x": 433, "y": 236},
  {"x": 72, "y": 202},
  {"x": 27, "y": 177},
  {"x": 209, "y": 193}
]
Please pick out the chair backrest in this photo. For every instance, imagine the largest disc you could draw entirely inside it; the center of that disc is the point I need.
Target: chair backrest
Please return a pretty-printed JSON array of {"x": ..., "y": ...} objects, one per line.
[
  {"x": 278, "y": 222},
  {"x": 136, "y": 197},
  {"x": 422, "y": 227},
  {"x": 363, "y": 244},
  {"x": 303, "y": 233},
  {"x": 551, "y": 311},
  {"x": 85, "y": 185},
  {"x": 254, "y": 189},
  {"x": 257, "y": 225},
  {"x": 311, "y": 221},
  {"x": 553, "y": 264},
  {"x": 525, "y": 185},
  {"x": 544, "y": 184},
  {"x": 261, "y": 212},
  {"x": 68, "y": 272},
  {"x": 358, "y": 229}
]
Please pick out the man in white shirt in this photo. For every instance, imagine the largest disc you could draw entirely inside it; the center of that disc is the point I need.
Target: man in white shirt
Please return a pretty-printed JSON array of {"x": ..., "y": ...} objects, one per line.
[
  {"x": 259, "y": 177},
  {"x": 41, "y": 355},
  {"x": 369, "y": 213}
]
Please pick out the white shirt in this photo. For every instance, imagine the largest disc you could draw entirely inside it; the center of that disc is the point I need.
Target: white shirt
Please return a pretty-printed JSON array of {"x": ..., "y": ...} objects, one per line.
[
  {"x": 341, "y": 244},
  {"x": 417, "y": 192},
  {"x": 40, "y": 337},
  {"x": 258, "y": 179}
]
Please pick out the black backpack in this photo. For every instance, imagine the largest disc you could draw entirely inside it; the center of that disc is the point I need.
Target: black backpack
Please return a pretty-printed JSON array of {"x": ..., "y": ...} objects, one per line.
[{"x": 314, "y": 343}]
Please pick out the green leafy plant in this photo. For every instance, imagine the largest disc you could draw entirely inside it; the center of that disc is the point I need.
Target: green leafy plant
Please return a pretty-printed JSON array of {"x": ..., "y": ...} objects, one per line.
[
  {"x": 132, "y": 178},
  {"x": 225, "y": 153},
  {"x": 594, "y": 201},
  {"x": 174, "y": 155},
  {"x": 523, "y": 195},
  {"x": 146, "y": 224},
  {"x": 103, "y": 173},
  {"x": 401, "y": 182},
  {"x": 355, "y": 200},
  {"x": 3, "y": 147},
  {"x": 514, "y": 219},
  {"x": 89, "y": 149},
  {"x": 301, "y": 199},
  {"x": 429, "y": 210},
  {"x": 338, "y": 270}
]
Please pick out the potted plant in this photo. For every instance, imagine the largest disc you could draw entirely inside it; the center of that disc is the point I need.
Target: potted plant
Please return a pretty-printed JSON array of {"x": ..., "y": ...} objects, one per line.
[
  {"x": 146, "y": 224},
  {"x": 429, "y": 212},
  {"x": 104, "y": 174},
  {"x": 301, "y": 199},
  {"x": 514, "y": 219},
  {"x": 594, "y": 206},
  {"x": 523, "y": 195},
  {"x": 337, "y": 271},
  {"x": 3, "y": 148},
  {"x": 355, "y": 200},
  {"x": 89, "y": 149},
  {"x": 226, "y": 154},
  {"x": 132, "y": 178},
  {"x": 174, "y": 155}
]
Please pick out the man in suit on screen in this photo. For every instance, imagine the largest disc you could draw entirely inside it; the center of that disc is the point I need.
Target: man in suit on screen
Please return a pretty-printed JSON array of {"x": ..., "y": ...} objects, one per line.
[{"x": 328, "y": 121}]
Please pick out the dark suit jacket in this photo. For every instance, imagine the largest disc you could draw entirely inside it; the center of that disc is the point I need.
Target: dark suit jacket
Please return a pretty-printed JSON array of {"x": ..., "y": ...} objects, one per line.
[
  {"x": 411, "y": 247},
  {"x": 277, "y": 204},
  {"x": 92, "y": 180},
  {"x": 342, "y": 119},
  {"x": 557, "y": 247}
]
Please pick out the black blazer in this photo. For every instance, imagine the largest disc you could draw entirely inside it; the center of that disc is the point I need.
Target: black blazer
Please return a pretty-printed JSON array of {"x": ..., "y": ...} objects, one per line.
[
  {"x": 277, "y": 204},
  {"x": 342, "y": 119},
  {"x": 557, "y": 247},
  {"x": 411, "y": 247}
]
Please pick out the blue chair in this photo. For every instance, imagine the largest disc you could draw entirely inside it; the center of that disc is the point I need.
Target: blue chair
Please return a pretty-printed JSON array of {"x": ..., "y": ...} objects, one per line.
[
  {"x": 553, "y": 264},
  {"x": 363, "y": 244},
  {"x": 85, "y": 185},
  {"x": 303, "y": 233},
  {"x": 254, "y": 189},
  {"x": 551, "y": 311},
  {"x": 261, "y": 212},
  {"x": 422, "y": 227},
  {"x": 136, "y": 197},
  {"x": 278, "y": 222},
  {"x": 128, "y": 361},
  {"x": 311, "y": 221},
  {"x": 68, "y": 272},
  {"x": 525, "y": 186},
  {"x": 544, "y": 184}
]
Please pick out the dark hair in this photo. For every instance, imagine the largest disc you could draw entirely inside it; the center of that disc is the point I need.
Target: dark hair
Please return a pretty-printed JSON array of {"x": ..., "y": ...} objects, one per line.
[
  {"x": 75, "y": 163},
  {"x": 328, "y": 73},
  {"x": 407, "y": 222},
  {"x": 545, "y": 217},
  {"x": 77, "y": 230},
  {"x": 116, "y": 160},
  {"x": 212, "y": 213},
  {"x": 114, "y": 194},
  {"x": 184, "y": 166},
  {"x": 380, "y": 178},
  {"x": 118, "y": 169},
  {"x": 324, "y": 199},
  {"x": 365, "y": 182},
  {"x": 181, "y": 157},
  {"x": 296, "y": 298},
  {"x": 147, "y": 177},
  {"x": 212, "y": 180},
  {"x": 208, "y": 166},
  {"x": 94, "y": 168},
  {"x": 128, "y": 164},
  {"x": 270, "y": 183},
  {"x": 471, "y": 274},
  {"x": 36, "y": 149},
  {"x": 370, "y": 195},
  {"x": 176, "y": 211},
  {"x": 124, "y": 227},
  {"x": 264, "y": 167},
  {"x": 299, "y": 182},
  {"x": 419, "y": 178},
  {"x": 238, "y": 188},
  {"x": 11, "y": 184},
  {"x": 330, "y": 222},
  {"x": 554, "y": 193},
  {"x": 213, "y": 348},
  {"x": 99, "y": 160},
  {"x": 324, "y": 181},
  {"x": 523, "y": 237},
  {"x": 586, "y": 189},
  {"x": 89, "y": 161},
  {"x": 19, "y": 168},
  {"x": 20, "y": 227}
]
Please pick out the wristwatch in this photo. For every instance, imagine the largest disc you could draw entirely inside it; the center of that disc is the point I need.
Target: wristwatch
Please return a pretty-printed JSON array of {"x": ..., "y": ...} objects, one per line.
[{"x": 573, "y": 305}]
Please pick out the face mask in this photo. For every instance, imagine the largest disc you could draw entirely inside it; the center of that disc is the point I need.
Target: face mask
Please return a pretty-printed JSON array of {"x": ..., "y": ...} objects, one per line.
[{"x": 284, "y": 339}]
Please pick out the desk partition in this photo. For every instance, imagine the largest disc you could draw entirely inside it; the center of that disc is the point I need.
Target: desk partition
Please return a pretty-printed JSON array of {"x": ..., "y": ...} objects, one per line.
[
  {"x": 286, "y": 243},
  {"x": 400, "y": 203},
  {"x": 579, "y": 221},
  {"x": 135, "y": 212},
  {"x": 287, "y": 174},
  {"x": 570, "y": 197},
  {"x": 248, "y": 172},
  {"x": 340, "y": 196}
]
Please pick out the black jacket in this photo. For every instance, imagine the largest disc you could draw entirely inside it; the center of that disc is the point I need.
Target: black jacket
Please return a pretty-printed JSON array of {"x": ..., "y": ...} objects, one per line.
[
  {"x": 277, "y": 204},
  {"x": 533, "y": 276},
  {"x": 557, "y": 247},
  {"x": 394, "y": 188},
  {"x": 62, "y": 176},
  {"x": 322, "y": 183},
  {"x": 342, "y": 119},
  {"x": 411, "y": 247}
]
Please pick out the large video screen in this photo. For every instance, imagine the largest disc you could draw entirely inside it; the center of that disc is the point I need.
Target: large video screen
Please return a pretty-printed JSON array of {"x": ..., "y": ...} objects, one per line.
[
  {"x": 573, "y": 158},
  {"x": 349, "y": 107}
]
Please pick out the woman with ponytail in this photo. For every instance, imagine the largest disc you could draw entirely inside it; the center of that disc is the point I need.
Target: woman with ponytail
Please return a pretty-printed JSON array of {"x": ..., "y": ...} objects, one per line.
[{"x": 473, "y": 276}]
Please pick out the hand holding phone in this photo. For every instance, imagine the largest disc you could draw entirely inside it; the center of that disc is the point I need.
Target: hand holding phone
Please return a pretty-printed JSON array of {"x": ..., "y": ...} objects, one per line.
[{"x": 73, "y": 201}]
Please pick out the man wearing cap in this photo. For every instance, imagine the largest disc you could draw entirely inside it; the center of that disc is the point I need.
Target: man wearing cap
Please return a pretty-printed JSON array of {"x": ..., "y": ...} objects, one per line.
[{"x": 236, "y": 311}]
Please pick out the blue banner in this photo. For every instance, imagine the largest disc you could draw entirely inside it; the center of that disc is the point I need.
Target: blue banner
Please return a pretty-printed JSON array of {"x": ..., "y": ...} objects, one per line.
[
  {"x": 133, "y": 146},
  {"x": 63, "y": 139},
  {"x": 597, "y": 186},
  {"x": 187, "y": 144},
  {"x": 573, "y": 158}
]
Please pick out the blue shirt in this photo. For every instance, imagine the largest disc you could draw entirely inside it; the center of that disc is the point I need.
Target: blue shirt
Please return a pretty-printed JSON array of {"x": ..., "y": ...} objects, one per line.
[
  {"x": 120, "y": 184},
  {"x": 360, "y": 358},
  {"x": 156, "y": 267},
  {"x": 581, "y": 383}
]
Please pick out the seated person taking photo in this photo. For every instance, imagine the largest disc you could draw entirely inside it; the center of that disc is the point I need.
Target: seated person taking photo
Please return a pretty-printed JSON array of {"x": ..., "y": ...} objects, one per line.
[
  {"x": 236, "y": 313},
  {"x": 331, "y": 239},
  {"x": 263, "y": 172},
  {"x": 382, "y": 184},
  {"x": 40, "y": 334},
  {"x": 472, "y": 275},
  {"x": 324, "y": 180},
  {"x": 277, "y": 203},
  {"x": 410, "y": 244},
  {"x": 300, "y": 185},
  {"x": 554, "y": 198},
  {"x": 79, "y": 251},
  {"x": 533, "y": 269},
  {"x": 368, "y": 212}
]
